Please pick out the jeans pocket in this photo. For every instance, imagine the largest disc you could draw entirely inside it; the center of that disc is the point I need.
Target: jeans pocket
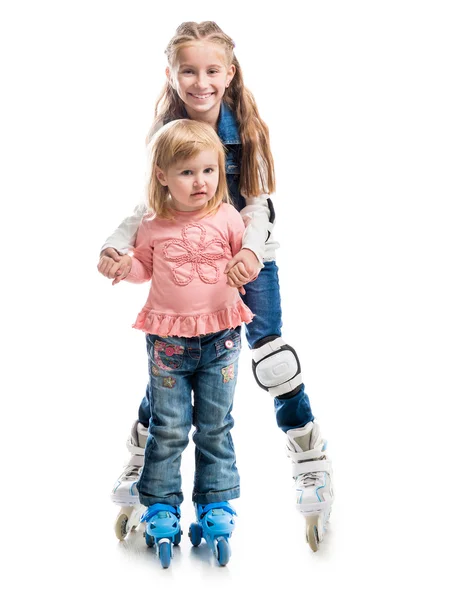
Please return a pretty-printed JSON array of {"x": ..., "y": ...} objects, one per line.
[
  {"x": 168, "y": 357},
  {"x": 228, "y": 348}
]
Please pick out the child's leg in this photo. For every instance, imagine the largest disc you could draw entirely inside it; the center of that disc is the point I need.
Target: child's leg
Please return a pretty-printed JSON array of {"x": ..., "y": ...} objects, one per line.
[
  {"x": 276, "y": 368},
  {"x": 144, "y": 411},
  {"x": 124, "y": 490},
  {"x": 312, "y": 473},
  {"x": 216, "y": 476},
  {"x": 262, "y": 296},
  {"x": 171, "y": 420}
]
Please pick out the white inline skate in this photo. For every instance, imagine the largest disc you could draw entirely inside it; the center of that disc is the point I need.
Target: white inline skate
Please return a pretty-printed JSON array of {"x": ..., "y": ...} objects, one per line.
[
  {"x": 312, "y": 473},
  {"x": 125, "y": 492}
]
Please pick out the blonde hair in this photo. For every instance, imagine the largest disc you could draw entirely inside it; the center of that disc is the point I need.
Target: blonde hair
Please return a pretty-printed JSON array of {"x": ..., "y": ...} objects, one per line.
[
  {"x": 257, "y": 173},
  {"x": 177, "y": 141}
]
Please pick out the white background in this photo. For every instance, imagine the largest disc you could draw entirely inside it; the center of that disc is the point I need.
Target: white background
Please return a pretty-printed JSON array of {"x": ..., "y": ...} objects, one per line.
[{"x": 358, "y": 99}]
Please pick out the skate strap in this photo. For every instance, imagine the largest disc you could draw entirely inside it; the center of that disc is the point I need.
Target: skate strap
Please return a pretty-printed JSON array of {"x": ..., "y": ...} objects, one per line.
[
  {"x": 133, "y": 449},
  {"x": 130, "y": 472},
  {"x": 155, "y": 508},
  {"x": 224, "y": 505},
  {"x": 311, "y": 466},
  {"x": 135, "y": 460},
  {"x": 308, "y": 455},
  {"x": 268, "y": 348},
  {"x": 280, "y": 390}
]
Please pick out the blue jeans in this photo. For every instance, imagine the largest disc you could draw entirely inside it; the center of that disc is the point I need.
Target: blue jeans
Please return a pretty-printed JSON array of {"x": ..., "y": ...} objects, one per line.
[
  {"x": 207, "y": 366},
  {"x": 264, "y": 300}
]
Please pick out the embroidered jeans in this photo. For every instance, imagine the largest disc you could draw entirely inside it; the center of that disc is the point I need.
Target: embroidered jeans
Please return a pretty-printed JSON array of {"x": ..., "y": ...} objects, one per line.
[
  {"x": 205, "y": 367},
  {"x": 264, "y": 300}
]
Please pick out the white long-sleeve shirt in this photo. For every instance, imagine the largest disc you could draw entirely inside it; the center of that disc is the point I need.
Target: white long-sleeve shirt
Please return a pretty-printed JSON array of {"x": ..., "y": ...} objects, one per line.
[{"x": 258, "y": 236}]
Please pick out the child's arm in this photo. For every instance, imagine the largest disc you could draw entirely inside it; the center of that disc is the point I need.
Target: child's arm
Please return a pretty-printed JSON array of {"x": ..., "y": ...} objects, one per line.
[
  {"x": 124, "y": 237},
  {"x": 248, "y": 261},
  {"x": 141, "y": 264},
  {"x": 244, "y": 266},
  {"x": 121, "y": 241},
  {"x": 259, "y": 217}
]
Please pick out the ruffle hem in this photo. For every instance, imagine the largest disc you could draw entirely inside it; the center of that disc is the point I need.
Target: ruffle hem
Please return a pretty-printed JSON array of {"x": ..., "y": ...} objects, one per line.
[{"x": 158, "y": 323}]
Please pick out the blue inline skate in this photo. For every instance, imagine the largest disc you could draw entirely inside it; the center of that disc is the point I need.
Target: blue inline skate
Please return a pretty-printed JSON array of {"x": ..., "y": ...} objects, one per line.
[
  {"x": 215, "y": 524},
  {"x": 162, "y": 530}
]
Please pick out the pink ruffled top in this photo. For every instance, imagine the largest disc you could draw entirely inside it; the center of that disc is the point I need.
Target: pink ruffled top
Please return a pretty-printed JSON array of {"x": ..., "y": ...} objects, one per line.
[{"x": 185, "y": 258}]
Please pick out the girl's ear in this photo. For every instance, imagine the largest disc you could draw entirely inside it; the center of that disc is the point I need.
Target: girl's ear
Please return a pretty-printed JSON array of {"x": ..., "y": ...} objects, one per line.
[
  {"x": 161, "y": 176},
  {"x": 230, "y": 75},
  {"x": 168, "y": 76}
]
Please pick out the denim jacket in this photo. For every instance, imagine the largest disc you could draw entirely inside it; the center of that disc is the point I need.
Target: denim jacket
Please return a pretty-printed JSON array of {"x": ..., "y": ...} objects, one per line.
[
  {"x": 257, "y": 212},
  {"x": 228, "y": 132}
]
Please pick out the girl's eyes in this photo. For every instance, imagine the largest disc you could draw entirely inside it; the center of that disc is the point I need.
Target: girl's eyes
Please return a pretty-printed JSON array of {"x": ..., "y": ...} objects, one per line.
[
  {"x": 189, "y": 172},
  {"x": 191, "y": 72}
]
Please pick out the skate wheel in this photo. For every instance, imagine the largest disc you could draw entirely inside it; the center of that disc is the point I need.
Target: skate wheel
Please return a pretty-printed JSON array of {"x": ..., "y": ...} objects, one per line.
[
  {"x": 122, "y": 527},
  {"x": 149, "y": 540},
  {"x": 134, "y": 520},
  {"x": 223, "y": 551},
  {"x": 312, "y": 532},
  {"x": 165, "y": 554},
  {"x": 195, "y": 534},
  {"x": 177, "y": 538}
]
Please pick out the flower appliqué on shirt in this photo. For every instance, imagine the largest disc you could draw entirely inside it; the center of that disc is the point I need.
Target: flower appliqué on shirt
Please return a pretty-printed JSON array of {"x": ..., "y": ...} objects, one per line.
[{"x": 193, "y": 254}]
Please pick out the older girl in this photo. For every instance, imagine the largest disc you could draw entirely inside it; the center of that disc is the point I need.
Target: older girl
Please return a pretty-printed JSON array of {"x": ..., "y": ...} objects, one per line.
[{"x": 205, "y": 83}]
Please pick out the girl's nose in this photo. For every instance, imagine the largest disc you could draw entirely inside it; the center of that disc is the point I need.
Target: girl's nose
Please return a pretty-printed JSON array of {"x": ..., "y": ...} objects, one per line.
[
  {"x": 201, "y": 80},
  {"x": 199, "y": 181}
]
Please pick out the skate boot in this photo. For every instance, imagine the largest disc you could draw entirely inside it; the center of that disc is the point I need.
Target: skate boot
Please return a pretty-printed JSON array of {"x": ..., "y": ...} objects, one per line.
[
  {"x": 312, "y": 473},
  {"x": 215, "y": 523},
  {"x": 162, "y": 530},
  {"x": 125, "y": 492}
]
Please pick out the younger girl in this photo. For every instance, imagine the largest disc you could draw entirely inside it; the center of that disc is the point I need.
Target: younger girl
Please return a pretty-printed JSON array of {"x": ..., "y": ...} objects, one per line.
[
  {"x": 192, "y": 320},
  {"x": 205, "y": 83}
]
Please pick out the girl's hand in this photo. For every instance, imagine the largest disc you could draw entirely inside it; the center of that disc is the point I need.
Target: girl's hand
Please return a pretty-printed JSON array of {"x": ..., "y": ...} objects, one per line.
[
  {"x": 238, "y": 277},
  {"x": 123, "y": 268},
  {"x": 108, "y": 263},
  {"x": 238, "y": 286},
  {"x": 242, "y": 268}
]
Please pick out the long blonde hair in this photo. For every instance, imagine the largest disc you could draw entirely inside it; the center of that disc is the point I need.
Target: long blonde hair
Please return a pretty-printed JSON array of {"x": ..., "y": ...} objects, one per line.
[
  {"x": 257, "y": 173},
  {"x": 177, "y": 141}
]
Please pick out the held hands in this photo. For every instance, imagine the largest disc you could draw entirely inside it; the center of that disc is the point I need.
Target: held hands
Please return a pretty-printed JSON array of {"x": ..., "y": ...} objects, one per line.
[
  {"x": 114, "y": 265},
  {"x": 242, "y": 268}
]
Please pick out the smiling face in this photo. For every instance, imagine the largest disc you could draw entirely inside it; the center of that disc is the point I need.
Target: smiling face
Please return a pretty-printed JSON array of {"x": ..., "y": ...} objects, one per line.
[
  {"x": 192, "y": 182},
  {"x": 200, "y": 77}
]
